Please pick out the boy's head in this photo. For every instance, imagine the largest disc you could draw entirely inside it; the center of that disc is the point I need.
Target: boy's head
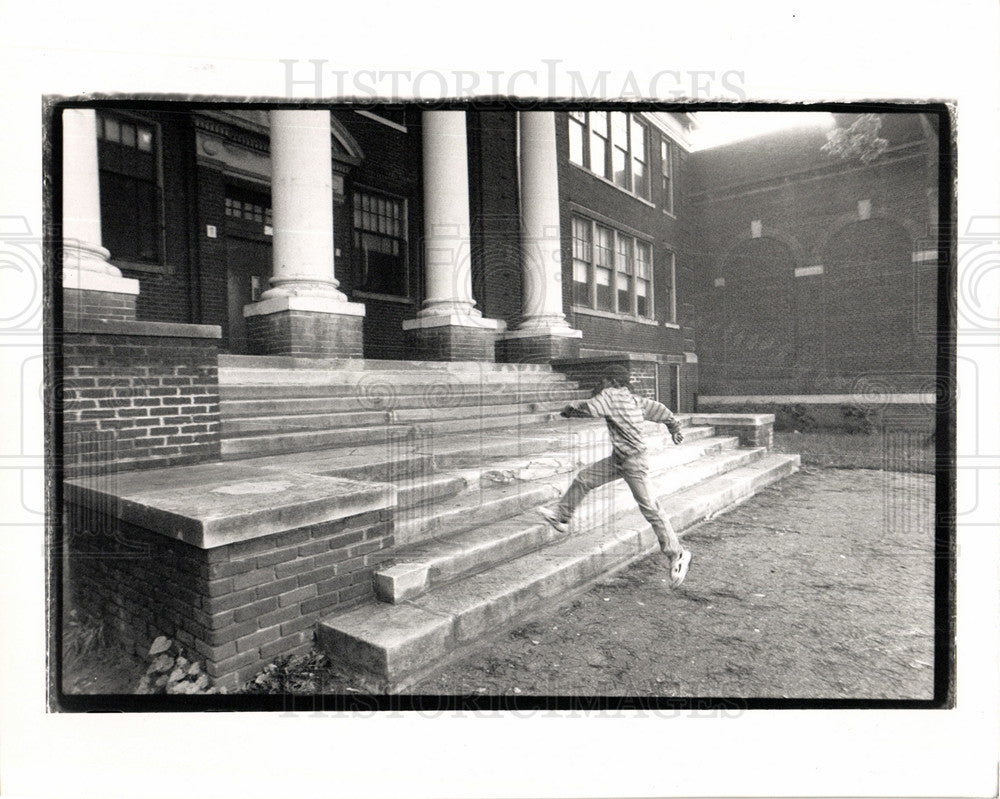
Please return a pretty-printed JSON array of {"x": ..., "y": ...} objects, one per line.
[{"x": 617, "y": 376}]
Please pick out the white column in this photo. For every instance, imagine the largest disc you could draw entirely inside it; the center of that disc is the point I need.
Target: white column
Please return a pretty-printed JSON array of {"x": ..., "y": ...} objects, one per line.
[
  {"x": 447, "y": 251},
  {"x": 85, "y": 261},
  {"x": 540, "y": 240},
  {"x": 302, "y": 201}
]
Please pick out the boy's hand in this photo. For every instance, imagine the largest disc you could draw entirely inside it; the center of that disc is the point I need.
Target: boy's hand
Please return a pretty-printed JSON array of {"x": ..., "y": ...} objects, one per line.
[{"x": 677, "y": 437}]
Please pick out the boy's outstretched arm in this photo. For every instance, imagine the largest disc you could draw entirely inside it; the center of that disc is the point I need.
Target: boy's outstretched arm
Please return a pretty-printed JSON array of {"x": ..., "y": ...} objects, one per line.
[
  {"x": 653, "y": 411},
  {"x": 581, "y": 408}
]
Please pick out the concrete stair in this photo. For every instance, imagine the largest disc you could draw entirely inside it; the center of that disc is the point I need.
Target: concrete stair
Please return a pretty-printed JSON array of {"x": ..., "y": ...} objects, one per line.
[{"x": 473, "y": 450}]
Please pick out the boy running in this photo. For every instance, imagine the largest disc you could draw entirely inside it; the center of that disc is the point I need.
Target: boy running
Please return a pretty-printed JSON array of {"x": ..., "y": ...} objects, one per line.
[{"x": 624, "y": 412}]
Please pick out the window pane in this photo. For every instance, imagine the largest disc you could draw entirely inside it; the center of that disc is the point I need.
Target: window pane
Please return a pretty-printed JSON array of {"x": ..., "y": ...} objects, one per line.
[
  {"x": 111, "y": 130},
  {"x": 624, "y": 253},
  {"x": 603, "y": 246},
  {"x": 604, "y": 296},
  {"x": 638, "y": 140},
  {"x": 620, "y": 167},
  {"x": 145, "y": 139},
  {"x": 598, "y": 155},
  {"x": 640, "y": 181},
  {"x": 599, "y": 123},
  {"x": 576, "y": 142},
  {"x": 642, "y": 306},
  {"x": 624, "y": 285},
  {"x": 619, "y": 129},
  {"x": 642, "y": 259},
  {"x": 128, "y": 135},
  {"x": 581, "y": 239}
]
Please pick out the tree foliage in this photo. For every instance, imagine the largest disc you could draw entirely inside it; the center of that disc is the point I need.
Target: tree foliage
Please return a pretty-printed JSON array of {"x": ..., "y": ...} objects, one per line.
[{"x": 860, "y": 140}]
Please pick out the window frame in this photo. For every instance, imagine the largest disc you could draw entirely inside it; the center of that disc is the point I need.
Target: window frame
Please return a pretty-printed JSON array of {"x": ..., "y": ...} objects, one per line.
[
  {"x": 667, "y": 170},
  {"x": 360, "y": 253},
  {"x": 671, "y": 306},
  {"x": 624, "y": 244},
  {"x": 160, "y": 265},
  {"x": 581, "y": 122}
]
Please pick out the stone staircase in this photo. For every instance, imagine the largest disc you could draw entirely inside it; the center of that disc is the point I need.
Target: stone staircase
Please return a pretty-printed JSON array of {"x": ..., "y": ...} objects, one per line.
[{"x": 473, "y": 450}]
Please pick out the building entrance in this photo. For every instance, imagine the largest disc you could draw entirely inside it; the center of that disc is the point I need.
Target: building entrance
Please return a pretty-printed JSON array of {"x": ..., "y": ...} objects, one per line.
[{"x": 248, "y": 258}]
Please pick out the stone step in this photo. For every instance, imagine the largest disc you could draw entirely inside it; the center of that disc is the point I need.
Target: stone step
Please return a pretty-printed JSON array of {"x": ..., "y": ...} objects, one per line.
[
  {"x": 469, "y": 451},
  {"x": 418, "y": 567},
  {"x": 501, "y": 489},
  {"x": 418, "y": 491},
  {"x": 237, "y": 448},
  {"x": 370, "y": 364},
  {"x": 471, "y": 508},
  {"x": 236, "y": 408},
  {"x": 389, "y": 647},
  {"x": 443, "y": 380},
  {"x": 469, "y": 416},
  {"x": 389, "y": 452}
]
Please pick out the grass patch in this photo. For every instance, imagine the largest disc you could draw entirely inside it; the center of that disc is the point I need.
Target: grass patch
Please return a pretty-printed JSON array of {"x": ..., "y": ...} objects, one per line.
[{"x": 892, "y": 450}]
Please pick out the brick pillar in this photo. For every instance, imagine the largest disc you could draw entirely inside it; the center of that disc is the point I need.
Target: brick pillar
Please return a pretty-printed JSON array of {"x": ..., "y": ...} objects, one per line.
[
  {"x": 543, "y": 333},
  {"x": 92, "y": 286},
  {"x": 448, "y": 326},
  {"x": 303, "y": 312}
]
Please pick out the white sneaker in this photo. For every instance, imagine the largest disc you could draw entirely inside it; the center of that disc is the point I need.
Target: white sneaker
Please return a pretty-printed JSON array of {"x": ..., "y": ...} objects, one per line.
[
  {"x": 679, "y": 567},
  {"x": 554, "y": 519}
]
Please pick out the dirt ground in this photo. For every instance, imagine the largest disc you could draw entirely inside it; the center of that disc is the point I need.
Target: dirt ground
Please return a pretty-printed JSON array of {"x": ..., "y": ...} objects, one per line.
[{"x": 819, "y": 587}]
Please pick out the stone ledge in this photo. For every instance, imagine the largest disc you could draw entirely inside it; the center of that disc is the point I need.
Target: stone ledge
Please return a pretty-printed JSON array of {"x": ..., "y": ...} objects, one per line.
[
  {"x": 118, "y": 327},
  {"x": 214, "y": 504},
  {"x": 747, "y": 419}
]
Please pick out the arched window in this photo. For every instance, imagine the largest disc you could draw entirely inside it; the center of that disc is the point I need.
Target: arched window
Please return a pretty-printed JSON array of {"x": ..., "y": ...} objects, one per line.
[
  {"x": 868, "y": 296},
  {"x": 758, "y": 308}
]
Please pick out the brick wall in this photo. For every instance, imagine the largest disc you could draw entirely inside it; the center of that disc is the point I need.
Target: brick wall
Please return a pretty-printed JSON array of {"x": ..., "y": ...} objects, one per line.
[
  {"x": 589, "y": 372},
  {"x": 866, "y": 311},
  {"x": 537, "y": 349},
  {"x": 237, "y": 606},
  {"x": 452, "y": 343},
  {"x": 382, "y": 331},
  {"x": 211, "y": 284},
  {"x": 97, "y": 304},
  {"x": 138, "y": 394},
  {"x": 305, "y": 334},
  {"x": 497, "y": 271}
]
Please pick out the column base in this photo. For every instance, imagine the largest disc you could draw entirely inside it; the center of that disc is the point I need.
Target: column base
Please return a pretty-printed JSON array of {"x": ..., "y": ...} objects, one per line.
[
  {"x": 292, "y": 326},
  {"x": 453, "y": 338},
  {"x": 539, "y": 345},
  {"x": 94, "y": 295}
]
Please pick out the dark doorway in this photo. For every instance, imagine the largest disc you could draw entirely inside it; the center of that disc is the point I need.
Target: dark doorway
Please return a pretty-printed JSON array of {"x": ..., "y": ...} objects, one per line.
[{"x": 248, "y": 257}]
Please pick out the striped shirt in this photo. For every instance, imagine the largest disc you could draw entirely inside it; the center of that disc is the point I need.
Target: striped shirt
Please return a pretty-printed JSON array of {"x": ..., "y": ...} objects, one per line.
[{"x": 624, "y": 413}]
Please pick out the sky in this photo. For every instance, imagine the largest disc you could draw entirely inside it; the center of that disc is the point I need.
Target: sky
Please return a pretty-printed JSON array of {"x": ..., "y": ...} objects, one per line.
[{"x": 722, "y": 127}]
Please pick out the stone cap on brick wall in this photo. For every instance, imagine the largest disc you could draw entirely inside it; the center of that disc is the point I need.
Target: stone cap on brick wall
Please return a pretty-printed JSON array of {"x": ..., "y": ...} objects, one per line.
[
  {"x": 118, "y": 327},
  {"x": 749, "y": 419},
  {"x": 620, "y": 357},
  {"x": 213, "y": 504}
]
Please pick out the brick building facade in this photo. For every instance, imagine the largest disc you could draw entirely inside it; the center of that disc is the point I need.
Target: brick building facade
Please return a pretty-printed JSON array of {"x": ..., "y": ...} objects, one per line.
[
  {"x": 756, "y": 273},
  {"x": 818, "y": 276},
  {"x": 202, "y": 248}
]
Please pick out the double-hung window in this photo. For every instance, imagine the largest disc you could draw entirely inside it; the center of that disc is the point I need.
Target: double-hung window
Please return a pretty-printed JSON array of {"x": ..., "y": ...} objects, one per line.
[
  {"x": 130, "y": 188},
  {"x": 667, "y": 175},
  {"x": 612, "y": 270},
  {"x": 614, "y": 145},
  {"x": 380, "y": 242}
]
